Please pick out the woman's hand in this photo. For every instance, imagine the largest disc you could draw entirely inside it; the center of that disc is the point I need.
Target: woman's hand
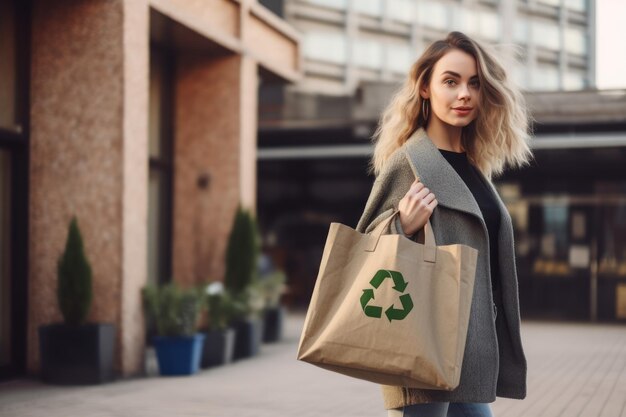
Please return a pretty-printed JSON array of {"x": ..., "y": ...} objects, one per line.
[{"x": 416, "y": 207}]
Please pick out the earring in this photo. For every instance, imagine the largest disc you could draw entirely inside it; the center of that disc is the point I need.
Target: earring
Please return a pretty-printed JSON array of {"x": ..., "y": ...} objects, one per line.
[{"x": 425, "y": 108}]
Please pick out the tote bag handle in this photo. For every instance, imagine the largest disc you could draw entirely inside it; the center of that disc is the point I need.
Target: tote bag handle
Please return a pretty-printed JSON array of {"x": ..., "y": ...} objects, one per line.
[{"x": 430, "y": 246}]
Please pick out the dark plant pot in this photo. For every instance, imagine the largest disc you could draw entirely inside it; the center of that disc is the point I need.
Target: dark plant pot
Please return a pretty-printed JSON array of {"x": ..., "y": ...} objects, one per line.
[
  {"x": 179, "y": 355},
  {"x": 249, "y": 335},
  {"x": 218, "y": 347},
  {"x": 273, "y": 326},
  {"x": 77, "y": 355}
]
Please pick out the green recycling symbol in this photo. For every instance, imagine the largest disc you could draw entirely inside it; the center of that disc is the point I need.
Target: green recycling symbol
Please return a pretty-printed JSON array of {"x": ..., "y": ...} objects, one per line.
[{"x": 399, "y": 285}]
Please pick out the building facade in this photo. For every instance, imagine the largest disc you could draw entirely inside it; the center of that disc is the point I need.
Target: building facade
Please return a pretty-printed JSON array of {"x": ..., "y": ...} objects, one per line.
[
  {"x": 548, "y": 43},
  {"x": 139, "y": 117}
]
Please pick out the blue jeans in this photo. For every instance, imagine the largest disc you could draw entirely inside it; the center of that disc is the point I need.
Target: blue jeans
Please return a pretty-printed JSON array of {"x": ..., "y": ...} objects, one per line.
[{"x": 442, "y": 409}]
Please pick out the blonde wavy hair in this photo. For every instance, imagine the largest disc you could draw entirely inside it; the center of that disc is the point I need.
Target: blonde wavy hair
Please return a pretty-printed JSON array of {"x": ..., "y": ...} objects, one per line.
[{"x": 499, "y": 136}]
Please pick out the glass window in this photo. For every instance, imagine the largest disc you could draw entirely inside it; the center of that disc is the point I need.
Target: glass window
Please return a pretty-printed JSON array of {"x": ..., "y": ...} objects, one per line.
[
  {"x": 160, "y": 166},
  {"x": 432, "y": 14},
  {"x": 488, "y": 24},
  {"x": 402, "y": 10},
  {"x": 519, "y": 74},
  {"x": 545, "y": 78},
  {"x": 574, "y": 80},
  {"x": 520, "y": 31},
  {"x": 367, "y": 53},
  {"x": 325, "y": 46},
  {"x": 546, "y": 35},
  {"x": 8, "y": 118},
  {"x": 555, "y": 239},
  {"x": 5, "y": 259},
  {"x": 555, "y": 3},
  {"x": 335, "y": 4},
  {"x": 470, "y": 21},
  {"x": 578, "y": 5},
  {"x": 399, "y": 58},
  {"x": 371, "y": 7},
  {"x": 575, "y": 41},
  {"x": 612, "y": 256},
  {"x": 155, "y": 108},
  {"x": 156, "y": 189}
]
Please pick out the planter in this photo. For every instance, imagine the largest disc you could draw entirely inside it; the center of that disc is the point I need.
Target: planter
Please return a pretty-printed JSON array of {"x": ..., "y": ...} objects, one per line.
[
  {"x": 179, "y": 355},
  {"x": 76, "y": 355},
  {"x": 218, "y": 347},
  {"x": 248, "y": 338},
  {"x": 273, "y": 326}
]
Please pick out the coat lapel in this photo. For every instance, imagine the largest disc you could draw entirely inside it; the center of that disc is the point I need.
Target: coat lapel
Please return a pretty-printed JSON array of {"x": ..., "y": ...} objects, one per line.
[{"x": 437, "y": 174}]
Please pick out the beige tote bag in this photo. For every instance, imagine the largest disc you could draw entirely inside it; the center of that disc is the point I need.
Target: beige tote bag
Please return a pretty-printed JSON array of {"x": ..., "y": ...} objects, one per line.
[{"x": 390, "y": 310}]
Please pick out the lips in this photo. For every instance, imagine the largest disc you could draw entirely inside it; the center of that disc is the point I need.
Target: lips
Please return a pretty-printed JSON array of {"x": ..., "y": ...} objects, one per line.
[{"x": 462, "y": 108}]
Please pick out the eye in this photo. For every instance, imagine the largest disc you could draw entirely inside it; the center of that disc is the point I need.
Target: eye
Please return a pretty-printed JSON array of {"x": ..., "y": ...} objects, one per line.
[
  {"x": 446, "y": 81},
  {"x": 476, "y": 83}
]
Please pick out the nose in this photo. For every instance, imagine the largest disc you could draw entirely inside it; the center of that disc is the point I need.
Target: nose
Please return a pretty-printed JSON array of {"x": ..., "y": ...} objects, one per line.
[{"x": 464, "y": 91}]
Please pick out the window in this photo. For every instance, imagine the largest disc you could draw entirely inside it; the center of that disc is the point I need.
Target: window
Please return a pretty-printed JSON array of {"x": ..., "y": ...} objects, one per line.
[
  {"x": 8, "y": 116},
  {"x": 335, "y": 4},
  {"x": 399, "y": 58},
  {"x": 520, "y": 31},
  {"x": 5, "y": 259},
  {"x": 432, "y": 14},
  {"x": 574, "y": 80},
  {"x": 160, "y": 166},
  {"x": 555, "y": 3},
  {"x": 575, "y": 41},
  {"x": 578, "y": 5},
  {"x": 370, "y": 7},
  {"x": 484, "y": 23},
  {"x": 519, "y": 74},
  {"x": 402, "y": 10},
  {"x": 325, "y": 46},
  {"x": 545, "y": 78},
  {"x": 367, "y": 53},
  {"x": 546, "y": 35},
  {"x": 14, "y": 104},
  {"x": 488, "y": 24}
]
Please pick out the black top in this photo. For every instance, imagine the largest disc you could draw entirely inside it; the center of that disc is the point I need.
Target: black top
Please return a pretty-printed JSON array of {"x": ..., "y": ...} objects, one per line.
[{"x": 488, "y": 206}]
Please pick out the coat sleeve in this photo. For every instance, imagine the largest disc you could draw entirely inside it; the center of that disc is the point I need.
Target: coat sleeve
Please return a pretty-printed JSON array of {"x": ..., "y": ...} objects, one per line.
[{"x": 388, "y": 189}]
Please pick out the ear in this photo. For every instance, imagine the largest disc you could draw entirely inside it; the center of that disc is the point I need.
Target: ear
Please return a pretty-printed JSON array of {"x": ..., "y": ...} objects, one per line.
[{"x": 424, "y": 92}]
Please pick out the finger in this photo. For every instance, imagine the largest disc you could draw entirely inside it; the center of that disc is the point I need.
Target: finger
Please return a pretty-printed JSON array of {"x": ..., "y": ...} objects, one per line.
[
  {"x": 429, "y": 197},
  {"x": 433, "y": 204},
  {"x": 416, "y": 187},
  {"x": 422, "y": 193}
]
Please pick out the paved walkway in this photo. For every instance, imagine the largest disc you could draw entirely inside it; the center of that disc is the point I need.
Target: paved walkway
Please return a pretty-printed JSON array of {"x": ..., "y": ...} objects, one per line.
[{"x": 574, "y": 370}]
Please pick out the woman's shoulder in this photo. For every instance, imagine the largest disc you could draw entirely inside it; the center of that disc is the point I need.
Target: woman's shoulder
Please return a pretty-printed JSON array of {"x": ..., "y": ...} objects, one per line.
[{"x": 397, "y": 168}]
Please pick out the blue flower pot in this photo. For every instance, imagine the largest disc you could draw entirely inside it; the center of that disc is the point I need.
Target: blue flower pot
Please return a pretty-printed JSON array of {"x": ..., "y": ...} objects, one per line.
[{"x": 179, "y": 355}]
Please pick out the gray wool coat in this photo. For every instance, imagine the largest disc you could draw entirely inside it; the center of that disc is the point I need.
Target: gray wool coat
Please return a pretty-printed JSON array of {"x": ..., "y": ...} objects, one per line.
[{"x": 494, "y": 363}]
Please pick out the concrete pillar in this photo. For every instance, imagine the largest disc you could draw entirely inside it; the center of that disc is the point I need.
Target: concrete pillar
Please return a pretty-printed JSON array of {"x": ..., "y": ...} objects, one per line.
[
  {"x": 88, "y": 138},
  {"x": 215, "y": 138}
]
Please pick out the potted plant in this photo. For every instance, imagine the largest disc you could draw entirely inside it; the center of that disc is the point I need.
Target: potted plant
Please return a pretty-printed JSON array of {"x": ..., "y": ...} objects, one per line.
[
  {"x": 241, "y": 280},
  {"x": 220, "y": 337},
  {"x": 175, "y": 312},
  {"x": 274, "y": 285},
  {"x": 248, "y": 321},
  {"x": 76, "y": 352}
]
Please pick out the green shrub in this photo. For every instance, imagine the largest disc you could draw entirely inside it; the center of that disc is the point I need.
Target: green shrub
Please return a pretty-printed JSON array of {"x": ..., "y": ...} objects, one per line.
[
  {"x": 274, "y": 285},
  {"x": 242, "y": 252},
  {"x": 175, "y": 311},
  {"x": 221, "y": 306},
  {"x": 74, "y": 289}
]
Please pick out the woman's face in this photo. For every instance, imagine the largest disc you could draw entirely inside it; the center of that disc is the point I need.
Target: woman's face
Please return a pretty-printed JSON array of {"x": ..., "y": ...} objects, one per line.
[{"x": 454, "y": 84}]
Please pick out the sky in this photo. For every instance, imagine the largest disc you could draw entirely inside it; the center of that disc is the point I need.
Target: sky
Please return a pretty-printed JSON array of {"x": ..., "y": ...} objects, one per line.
[{"x": 611, "y": 44}]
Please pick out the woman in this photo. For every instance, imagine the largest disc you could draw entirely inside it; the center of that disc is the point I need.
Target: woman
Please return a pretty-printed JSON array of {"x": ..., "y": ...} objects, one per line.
[{"x": 455, "y": 123}]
